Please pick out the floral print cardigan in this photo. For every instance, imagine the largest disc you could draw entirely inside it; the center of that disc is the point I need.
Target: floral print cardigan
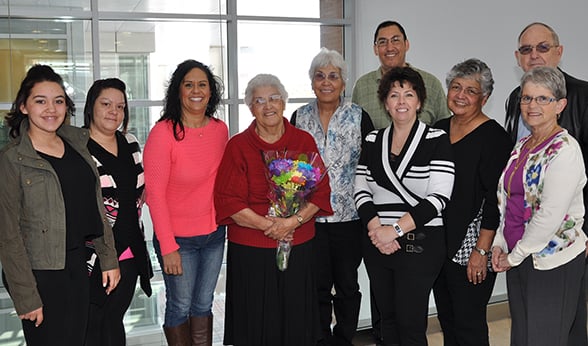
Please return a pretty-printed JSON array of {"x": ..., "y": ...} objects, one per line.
[{"x": 553, "y": 212}]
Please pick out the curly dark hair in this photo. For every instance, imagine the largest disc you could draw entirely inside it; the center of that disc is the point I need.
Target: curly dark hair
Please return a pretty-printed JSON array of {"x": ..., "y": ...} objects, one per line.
[
  {"x": 402, "y": 75},
  {"x": 172, "y": 109},
  {"x": 36, "y": 74},
  {"x": 97, "y": 87}
]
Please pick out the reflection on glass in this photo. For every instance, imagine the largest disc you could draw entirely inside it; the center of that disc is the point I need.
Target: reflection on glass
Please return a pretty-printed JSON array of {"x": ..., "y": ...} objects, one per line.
[
  {"x": 142, "y": 120},
  {"x": 36, "y": 5},
  {"x": 4, "y": 137},
  {"x": 144, "y": 56},
  {"x": 56, "y": 43},
  {"x": 165, "y": 6},
  {"x": 284, "y": 50},
  {"x": 300, "y": 8}
]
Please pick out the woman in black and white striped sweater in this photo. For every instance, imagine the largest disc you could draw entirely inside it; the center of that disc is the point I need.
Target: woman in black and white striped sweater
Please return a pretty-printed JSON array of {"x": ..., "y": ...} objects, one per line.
[
  {"x": 404, "y": 180},
  {"x": 117, "y": 155}
]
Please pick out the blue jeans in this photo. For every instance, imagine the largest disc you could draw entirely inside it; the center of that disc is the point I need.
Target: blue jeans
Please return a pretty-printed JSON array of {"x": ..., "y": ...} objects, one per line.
[{"x": 191, "y": 294}]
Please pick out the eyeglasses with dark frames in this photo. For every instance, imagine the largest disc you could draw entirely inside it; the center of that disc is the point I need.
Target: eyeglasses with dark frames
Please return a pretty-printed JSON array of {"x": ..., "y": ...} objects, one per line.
[{"x": 543, "y": 47}]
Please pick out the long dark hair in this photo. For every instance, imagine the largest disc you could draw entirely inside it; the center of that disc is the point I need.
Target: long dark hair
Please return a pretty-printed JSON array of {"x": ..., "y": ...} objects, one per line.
[
  {"x": 36, "y": 74},
  {"x": 95, "y": 90},
  {"x": 172, "y": 110}
]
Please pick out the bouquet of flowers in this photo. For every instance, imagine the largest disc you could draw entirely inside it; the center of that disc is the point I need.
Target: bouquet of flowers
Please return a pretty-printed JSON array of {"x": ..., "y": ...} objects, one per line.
[{"x": 292, "y": 177}]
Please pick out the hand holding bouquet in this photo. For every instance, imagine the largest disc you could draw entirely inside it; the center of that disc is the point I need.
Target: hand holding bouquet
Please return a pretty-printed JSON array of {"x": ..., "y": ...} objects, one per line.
[{"x": 292, "y": 177}]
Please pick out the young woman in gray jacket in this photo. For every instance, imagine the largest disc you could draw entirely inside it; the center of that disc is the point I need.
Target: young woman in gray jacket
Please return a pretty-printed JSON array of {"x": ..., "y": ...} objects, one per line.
[{"x": 50, "y": 204}]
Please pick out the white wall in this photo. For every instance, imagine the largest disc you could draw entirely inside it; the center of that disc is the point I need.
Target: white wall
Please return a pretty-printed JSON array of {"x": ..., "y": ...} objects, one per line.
[{"x": 445, "y": 32}]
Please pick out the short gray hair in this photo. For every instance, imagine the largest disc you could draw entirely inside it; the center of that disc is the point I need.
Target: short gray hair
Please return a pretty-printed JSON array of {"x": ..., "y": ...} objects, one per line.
[
  {"x": 263, "y": 80},
  {"x": 474, "y": 69},
  {"x": 327, "y": 57},
  {"x": 547, "y": 77}
]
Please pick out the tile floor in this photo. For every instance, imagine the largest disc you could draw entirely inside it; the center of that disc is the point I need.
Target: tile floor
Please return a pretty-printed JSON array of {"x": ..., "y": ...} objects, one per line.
[
  {"x": 499, "y": 325},
  {"x": 499, "y": 335}
]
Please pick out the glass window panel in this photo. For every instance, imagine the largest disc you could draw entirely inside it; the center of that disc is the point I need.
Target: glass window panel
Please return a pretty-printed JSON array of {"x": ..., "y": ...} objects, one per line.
[
  {"x": 10, "y": 325},
  {"x": 141, "y": 121},
  {"x": 222, "y": 113},
  {"x": 37, "y": 6},
  {"x": 144, "y": 56},
  {"x": 4, "y": 137},
  {"x": 60, "y": 44},
  {"x": 300, "y": 8},
  {"x": 284, "y": 50},
  {"x": 33, "y": 27},
  {"x": 165, "y": 6}
]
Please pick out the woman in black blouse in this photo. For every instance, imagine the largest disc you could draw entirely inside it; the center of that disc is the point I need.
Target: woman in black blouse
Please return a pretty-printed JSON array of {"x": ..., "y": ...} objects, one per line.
[
  {"x": 118, "y": 157},
  {"x": 481, "y": 147}
]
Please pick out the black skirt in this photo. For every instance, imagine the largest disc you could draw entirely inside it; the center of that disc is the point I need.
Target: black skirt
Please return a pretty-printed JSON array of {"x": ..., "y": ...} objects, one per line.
[{"x": 268, "y": 307}]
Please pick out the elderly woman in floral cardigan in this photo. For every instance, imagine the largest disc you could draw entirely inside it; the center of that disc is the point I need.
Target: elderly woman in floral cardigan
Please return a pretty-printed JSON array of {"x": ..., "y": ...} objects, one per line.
[{"x": 540, "y": 240}]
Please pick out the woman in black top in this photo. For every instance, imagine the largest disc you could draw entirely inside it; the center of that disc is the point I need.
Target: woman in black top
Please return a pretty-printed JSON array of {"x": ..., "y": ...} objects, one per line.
[
  {"x": 481, "y": 148},
  {"x": 118, "y": 157}
]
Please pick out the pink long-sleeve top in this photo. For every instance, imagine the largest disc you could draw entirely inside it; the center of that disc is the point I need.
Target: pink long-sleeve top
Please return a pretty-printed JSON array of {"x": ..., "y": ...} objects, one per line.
[{"x": 179, "y": 180}]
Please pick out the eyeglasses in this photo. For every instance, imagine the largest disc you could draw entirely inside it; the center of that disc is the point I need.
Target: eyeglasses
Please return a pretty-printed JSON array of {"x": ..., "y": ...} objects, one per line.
[
  {"x": 456, "y": 88},
  {"x": 272, "y": 99},
  {"x": 383, "y": 42},
  {"x": 332, "y": 76},
  {"x": 541, "y": 100},
  {"x": 541, "y": 48}
]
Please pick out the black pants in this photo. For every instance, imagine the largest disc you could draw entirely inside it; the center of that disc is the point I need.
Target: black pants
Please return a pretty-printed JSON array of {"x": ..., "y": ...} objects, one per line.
[
  {"x": 338, "y": 255},
  {"x": 543, "y": 303},
  {"x": 65, "y": 297},
  {"x": 105, "y": 324},
  {"x": 579, "y": 330},
  {"x": 401, "y": 283},
  {"x": 461, "y": 306}
]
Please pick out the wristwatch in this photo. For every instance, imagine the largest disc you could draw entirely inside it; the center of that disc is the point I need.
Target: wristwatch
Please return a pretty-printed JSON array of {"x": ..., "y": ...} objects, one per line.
[
  {"x": 481, "y": 251},
  {"x": 398, "y": 229},
  {"x": 299, "y": 218}
]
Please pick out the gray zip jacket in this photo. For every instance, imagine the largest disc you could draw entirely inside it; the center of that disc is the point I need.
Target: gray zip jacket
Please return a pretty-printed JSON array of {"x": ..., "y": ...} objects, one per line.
[{"x": 32, "y": 216}]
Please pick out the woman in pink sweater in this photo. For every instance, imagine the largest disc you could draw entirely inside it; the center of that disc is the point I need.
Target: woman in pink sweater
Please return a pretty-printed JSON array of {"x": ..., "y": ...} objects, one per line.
[{"x": 182, "y": 155}]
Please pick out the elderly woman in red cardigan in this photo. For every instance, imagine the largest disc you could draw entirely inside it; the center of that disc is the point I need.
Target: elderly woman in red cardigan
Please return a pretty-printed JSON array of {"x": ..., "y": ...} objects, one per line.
[{"x": 266, "y": 306}]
